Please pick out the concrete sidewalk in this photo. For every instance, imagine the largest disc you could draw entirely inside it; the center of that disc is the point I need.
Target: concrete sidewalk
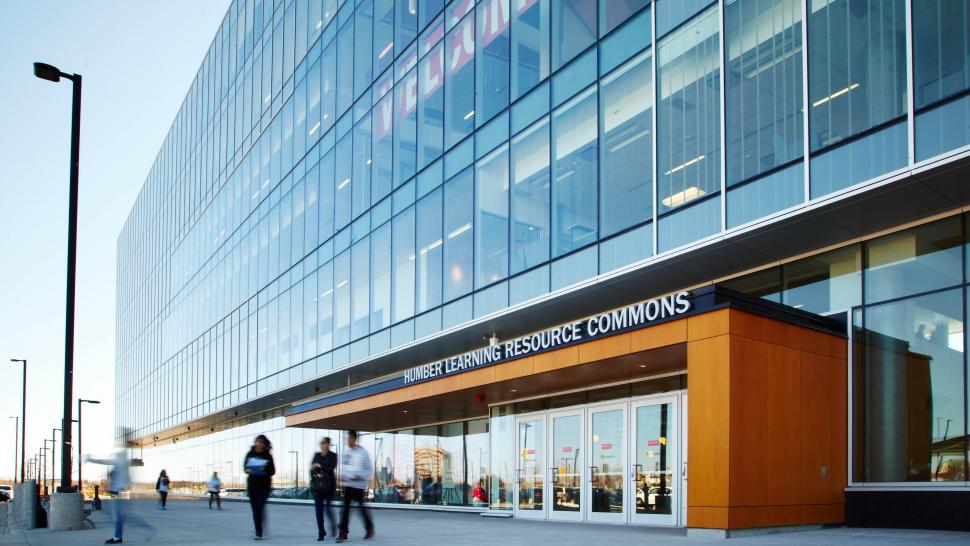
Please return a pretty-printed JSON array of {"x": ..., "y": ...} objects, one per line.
[{"x": 190, "y": 522}]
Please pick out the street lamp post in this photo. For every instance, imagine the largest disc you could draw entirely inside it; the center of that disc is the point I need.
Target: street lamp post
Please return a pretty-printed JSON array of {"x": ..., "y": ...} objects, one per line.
[
  {"x": 23, "y": 421},
  {"x": 51, "y": 73},
  {"x": 80, "y": 454},
  {"x": 16, "y": 422},
  {"x": 43, "y": 465},
  {"x": 54, "y": 432}
]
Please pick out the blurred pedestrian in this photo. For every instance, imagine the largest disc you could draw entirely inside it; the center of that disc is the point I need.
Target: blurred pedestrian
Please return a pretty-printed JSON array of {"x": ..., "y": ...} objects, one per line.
[
  {"x": 355, "y": 471},
  {"x": 323, "y": 484},
  {"x": 215, "y": 487},
  {"x": 259, "y": 469},
  {"x": 161, "y": 485},
  {"x": 117, "y": 484}
]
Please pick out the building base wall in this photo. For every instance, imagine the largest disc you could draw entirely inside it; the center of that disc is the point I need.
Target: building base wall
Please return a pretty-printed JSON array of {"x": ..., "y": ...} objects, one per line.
[{"x": 943, "y": 510}]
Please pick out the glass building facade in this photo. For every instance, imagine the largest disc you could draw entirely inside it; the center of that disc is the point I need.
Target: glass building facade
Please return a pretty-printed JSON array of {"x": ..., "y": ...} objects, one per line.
[{"x": 349, "y": 177}]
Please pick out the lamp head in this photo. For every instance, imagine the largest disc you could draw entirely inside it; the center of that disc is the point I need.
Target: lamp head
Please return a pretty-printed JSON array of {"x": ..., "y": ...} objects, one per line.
[{"x": 47, "y": 72}]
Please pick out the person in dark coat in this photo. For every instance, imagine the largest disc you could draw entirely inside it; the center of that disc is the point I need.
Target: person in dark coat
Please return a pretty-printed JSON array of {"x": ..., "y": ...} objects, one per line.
[
  {"x": 323, "y": 485},
  {"x": 161, "y": 485},
  {"x": 259, "y": 468}
]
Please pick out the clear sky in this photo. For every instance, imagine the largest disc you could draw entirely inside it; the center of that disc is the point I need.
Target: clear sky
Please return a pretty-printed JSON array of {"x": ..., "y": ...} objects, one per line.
[{"x": 138, "y": 60}]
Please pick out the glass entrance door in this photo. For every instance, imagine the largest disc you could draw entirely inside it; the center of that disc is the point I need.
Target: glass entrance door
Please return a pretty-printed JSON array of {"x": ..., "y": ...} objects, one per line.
[
  {"x": 566, "y": 465},
  {"x": 531, "y": 475},
  {"x": 606, "y": 433},
  {"x": 654, "y": 462}
]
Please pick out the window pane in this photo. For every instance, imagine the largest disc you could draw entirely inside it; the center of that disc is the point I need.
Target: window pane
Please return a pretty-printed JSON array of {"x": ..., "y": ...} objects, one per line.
[
  {"x": 768, "y": 194},
  {"x": 943, "y": 128},
  {"x": 405, "y": 130},
  {"x": 857, "y": 62},
  {"x": 827, "y": 282},
  {"x": 763, "y": 85},
  {"x": 381, "y": 152},
  {"x": 431, "y": 76},
  {"x": 492, "y": 218},
  {"x": 458, "y": 232},
  {"x": 429, "y": 245},
  {"x": 574, "y": 188},
  {"x": 671, "y": 13},
  {"x": 689, "y": 225},
  {"x": 859, "y": 160},
  {"x": 763, "y": 284},
  {"x": 916, "y": 260},
  {"x": 362, "y": 164},
  {"x": 383, "y": 34},
  {"x": 427, "y": 465},
  {"x": 341, "y": 311},
  {"x": 380, "y": 264},
  {"x": 460, "y": 81},
  {"x": 405, "y": 23},
  {"x": 403, "y": 234},
  {"x": 530, "y": 45},
  {"x": 344, "y": 180},
  {"x": 909, "y": 391},
  {"x": 493, "y": 59},
  {"x": 941, "y": 50},
  {"x": 573, "y": 29},
  {"x": 626, "y": 157},
  {"x": 345, "y": 68},
  {"x": 364, "y": 24},
  {"x": 530, "y": 197},
  {"x": 688, "y": 115},
  {"x": 360, "y": 273},
  {"x": 614, "y": 12}
]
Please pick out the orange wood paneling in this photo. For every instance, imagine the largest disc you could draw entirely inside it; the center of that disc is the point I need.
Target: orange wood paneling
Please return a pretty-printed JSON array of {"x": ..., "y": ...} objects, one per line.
[
  {"x": 747, "y": 428},
  {"x": 711, "y": 324},
  {"x": 708, "y": 418},
  {"x": 604, "y": 348},
  {"x": 782, "y": 418},
  {"x": 707, "y": 517},
  {"x": 511, "y": 370},
  {"x": 661, "y": 335},
  {"x": 554, "y": 360}
]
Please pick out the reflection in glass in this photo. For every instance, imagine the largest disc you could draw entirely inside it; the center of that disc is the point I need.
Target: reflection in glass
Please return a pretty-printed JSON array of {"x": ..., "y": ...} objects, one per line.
[
  {"x": 460, "y": 81},
  {"x": 530, "y": 197},
  {"x": 606, "y": 461},
  {"x": 573, "y": 29},
  {"x": 653, "y": 462},
  {"x": 910, "y": 391},
  {"x": 429, "y": 244},
  {"x": 530, "y": 45},
  {"x": 614, "y": 12},
  {"x": 476, "y": 463},
  {"x": 403, "y": 473},
  {"x": 574, "y": 129},
  {"x": 402, "y": 232},
  {"x": 531, "y": 467},
  {"x": 458, "y": 235},
  {"x": 428, "y": 465},
  {"x": 916, "y": 260},
  {"x": 492, "y": 217},
  {"x": 380, "y": 264},
  {"x": 626, "y": 155},
  {"x": 493, "y": 59},
  {"x": 503, "y": 464},
  {"x": 567, "y": 463},
  {"x": 826, "y": 282},
  {"x": 688, "y": 113}
]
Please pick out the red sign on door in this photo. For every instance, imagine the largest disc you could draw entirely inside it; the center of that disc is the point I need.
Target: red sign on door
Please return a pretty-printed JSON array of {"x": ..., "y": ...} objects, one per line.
[
  {"x": 607, "y": 446},
  {"x": 530, "y": 451},
  {"x": 653, "y": 443},
  {"x": 567, "y": 449}
]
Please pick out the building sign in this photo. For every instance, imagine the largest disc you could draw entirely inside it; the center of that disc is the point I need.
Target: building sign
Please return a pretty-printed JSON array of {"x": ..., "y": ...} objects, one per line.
[{"x": 604, "y": 324}]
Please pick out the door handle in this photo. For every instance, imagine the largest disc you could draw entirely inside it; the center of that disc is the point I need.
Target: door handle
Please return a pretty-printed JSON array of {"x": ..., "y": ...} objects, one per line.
[
  {"x": 554, "y": 474},
  {"x": 683, "y": 470},
  {"x": 592, "y": 473},
  {"x": 518, "y": 476},
  {"x": 633, "y": 470}
]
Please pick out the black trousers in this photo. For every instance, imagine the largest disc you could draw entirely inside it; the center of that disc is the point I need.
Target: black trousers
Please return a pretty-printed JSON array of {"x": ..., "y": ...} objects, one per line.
[
  {"x": 257, "y": 501},
  {"x": 164, "y": 495},
  {"x": 213, "y": 495},
  {"x": 322, "y": 502},
  {"x": 352, "y": 494}
]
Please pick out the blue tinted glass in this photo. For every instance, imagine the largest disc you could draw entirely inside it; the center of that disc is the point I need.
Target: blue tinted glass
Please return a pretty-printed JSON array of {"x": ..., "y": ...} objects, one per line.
[
  {"x": 493, "y": 134},
  {"x": 671, "y": 13},
  {"x": 380, "y": 282},
  {"x": 574, "y": 268},
  {"x": 405, "y": 127},
  {"x": 857, "y": 63},
  {"x": 688, "y": 114},
  {"x": 777, "y": 191},
  {"x": 763, "y": 86},
  {"x": 941, "y": 50},
  {"x": 492, "y": 218},
  {"x": 402, "y": 233},
  {"x": 492, "y": 299},
  {"x": 405, "y": 23},
  {"x": 573, "y": 29},
  {"x": 943, "y": 128},
  {"x": 344, "y": 181},
  {"x": 574, "y": 128},
  {"x": 383, "y": 34},
  {"x": 341, "y": 311},
  {"x": 689, "y": 225},
  {"x": 493, "y": 59},
  {"x": 381, "y": 151},
  {"x": 626, "y": 248},
  {"x": 530, "y": 198},
  {"x": 529, "y": 285},
  {"x": 574, "y": 78},
  {"x": 530, "y": 44},
  {"x": 876, "y": 154},
  {"x": 429, "y": 244},
  {"x": 460, "y": 81},
  {"x": 614, "y": 12},
  {"x": 431, "y": 80},
  {"x": 624, "y": 43},
  {"x": 530, "y": 108},
  {"x": 360, "y": 298},
  {"x": 363, "y": 45},
  {"x": 928, "y": 257},
  {"x": 362, "y": 167},
  {"x": 458, "y": 235},
  {"x": 345, "y": 68},
  {"x": 626, "y": 153}
]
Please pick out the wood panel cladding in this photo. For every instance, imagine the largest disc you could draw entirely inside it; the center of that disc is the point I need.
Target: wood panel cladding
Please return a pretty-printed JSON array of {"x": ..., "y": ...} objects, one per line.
[{"x": 766, "y": 423}]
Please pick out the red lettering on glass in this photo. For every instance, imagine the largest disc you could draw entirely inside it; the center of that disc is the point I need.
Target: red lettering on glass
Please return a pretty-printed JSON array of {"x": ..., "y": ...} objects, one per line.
[
  {"x": 385, "y": 118},
  {"x": 495, "y": 21},
  {"x": 409, "y": 95},
  {"x": 462, "y": 46},
  {"x": 432, "y": 75}
]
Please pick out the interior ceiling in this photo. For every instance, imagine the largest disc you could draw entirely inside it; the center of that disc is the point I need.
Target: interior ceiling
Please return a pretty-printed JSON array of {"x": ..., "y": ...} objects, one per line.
[{"x": 474, "y": 402}]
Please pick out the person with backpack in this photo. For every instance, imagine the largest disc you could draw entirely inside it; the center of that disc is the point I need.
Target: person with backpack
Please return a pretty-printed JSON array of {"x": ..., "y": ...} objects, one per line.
[
  {"x": 323, "y": 485},
  {"x": 260, "y": 469},
  {"x": 161, "y": 485},
  {"x": 215, "y": 486}
]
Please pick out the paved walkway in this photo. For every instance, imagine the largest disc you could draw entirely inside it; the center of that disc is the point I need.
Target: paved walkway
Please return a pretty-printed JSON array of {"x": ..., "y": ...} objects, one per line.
[{"x": 189, "y": 522}]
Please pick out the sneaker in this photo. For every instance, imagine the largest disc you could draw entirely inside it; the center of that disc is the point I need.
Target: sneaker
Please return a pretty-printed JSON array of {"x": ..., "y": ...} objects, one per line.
[
  {"x": 321, "y": 538},
  {"x": 342, "y": 537},
  {"x": 369, "y": 535},
  {"x": 113, "y": 540},
  {"x": 257, "y": 537}
]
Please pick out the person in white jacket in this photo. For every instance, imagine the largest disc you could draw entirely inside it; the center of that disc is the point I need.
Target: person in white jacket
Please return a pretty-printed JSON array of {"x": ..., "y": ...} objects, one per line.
[
  {"x": 215, "y": 486},
  {"x": 355, "y": 471},
  {"x": 117, "y": 484}
]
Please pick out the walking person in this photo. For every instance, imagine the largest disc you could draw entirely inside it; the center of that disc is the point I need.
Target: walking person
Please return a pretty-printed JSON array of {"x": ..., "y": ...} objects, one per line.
[
  {"x": 215, "y": 487},
  {"x": 259, "y": 468},
  {"x": 117, "y": 483},
  {"x": 355, "y": 471},
  {"x": 161, "y": 485},
  {"x": 323, "y": 484}
]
